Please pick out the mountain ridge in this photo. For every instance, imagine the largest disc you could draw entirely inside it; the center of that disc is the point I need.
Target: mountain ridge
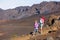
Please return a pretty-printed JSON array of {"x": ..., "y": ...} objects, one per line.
[{"x": 26, "y": 11}]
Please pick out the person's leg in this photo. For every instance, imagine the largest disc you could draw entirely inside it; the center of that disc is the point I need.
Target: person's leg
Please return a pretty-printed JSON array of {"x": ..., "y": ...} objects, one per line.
[
  {"x": 37, "y": 31},
  {"x": 40, "y": 24},
  {"x": 41, "y": 28}
]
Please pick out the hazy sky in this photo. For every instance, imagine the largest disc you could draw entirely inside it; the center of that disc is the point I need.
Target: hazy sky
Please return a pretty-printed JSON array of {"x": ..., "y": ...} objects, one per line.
[{"x": 6, "y": 4}]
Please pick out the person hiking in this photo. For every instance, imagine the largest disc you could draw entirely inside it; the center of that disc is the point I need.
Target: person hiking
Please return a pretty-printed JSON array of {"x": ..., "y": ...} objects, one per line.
[
  {"x": 36, "y": 24},
  {"x": 42, "y": 20}
]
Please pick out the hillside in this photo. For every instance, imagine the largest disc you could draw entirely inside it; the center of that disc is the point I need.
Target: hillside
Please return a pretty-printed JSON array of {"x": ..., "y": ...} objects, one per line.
[
  {"x": 17, "y": 23},
  {"x": 26, "y": 11},
  {"x": 17, "y": 28}
]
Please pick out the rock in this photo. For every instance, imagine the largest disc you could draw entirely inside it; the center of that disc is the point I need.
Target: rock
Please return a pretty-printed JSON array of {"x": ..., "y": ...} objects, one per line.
[
  {"x": 50, "y": 38},
  {"x": 26, "y": 11}
]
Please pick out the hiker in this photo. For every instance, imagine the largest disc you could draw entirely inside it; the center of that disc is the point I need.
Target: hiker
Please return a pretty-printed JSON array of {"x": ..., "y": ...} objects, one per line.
[
  {"x": 42, "y": 19},
  {"x": 36, "y": 26}
]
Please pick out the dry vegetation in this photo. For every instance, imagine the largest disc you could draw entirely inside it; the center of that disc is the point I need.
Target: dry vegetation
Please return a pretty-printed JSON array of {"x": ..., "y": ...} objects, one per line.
[
  {"x": 19, "y": 30},
  {"x": 21, "y": 22}
]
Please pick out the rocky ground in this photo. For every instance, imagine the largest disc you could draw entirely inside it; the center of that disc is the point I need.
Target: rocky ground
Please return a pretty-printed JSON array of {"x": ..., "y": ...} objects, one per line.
[
  {"x": 20, "y": 29},
  {"x": 18, "y": 23}
]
